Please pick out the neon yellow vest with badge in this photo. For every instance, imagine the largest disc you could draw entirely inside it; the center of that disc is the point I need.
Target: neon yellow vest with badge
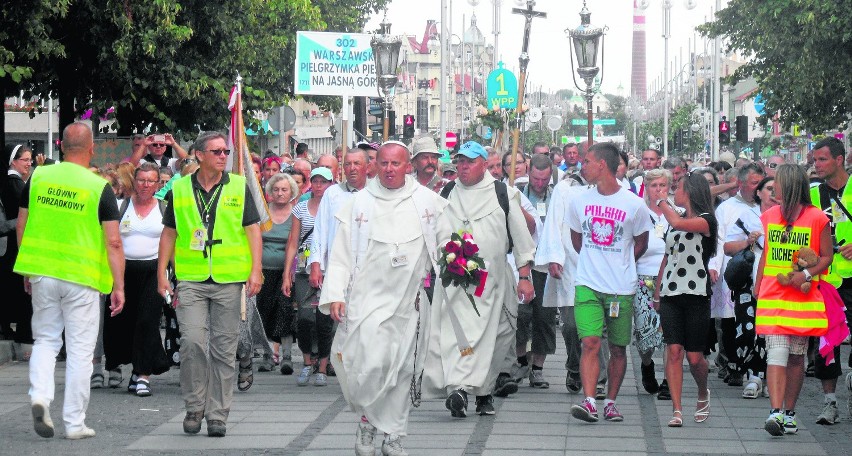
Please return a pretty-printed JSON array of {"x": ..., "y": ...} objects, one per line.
[
  {"x": 63, "y": 237},
  {"x": 840, "y": 268},
  {"x": 226, "y": 256}
]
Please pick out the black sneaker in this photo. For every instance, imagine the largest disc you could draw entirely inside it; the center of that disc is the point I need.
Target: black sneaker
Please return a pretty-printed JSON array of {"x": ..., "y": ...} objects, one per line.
[
  {"x": 649, "y": 379},
  {"x": 505, "y": 385},
  {"x": 457, "y": 403},
  {"x": 485, "y": 405},
  {"x": 573, "y": 383},
  {"x": 663, "y": 394}
]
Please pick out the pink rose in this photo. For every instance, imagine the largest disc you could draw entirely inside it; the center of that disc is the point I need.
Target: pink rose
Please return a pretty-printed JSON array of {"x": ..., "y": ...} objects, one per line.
[
  {"x": 461, "y": 261},
  {"x": 469, "y": 249},
  {"x": 452, "y": 247},
  {"x": 455, "y": 269},
  {"x": 467, "y": 237}
]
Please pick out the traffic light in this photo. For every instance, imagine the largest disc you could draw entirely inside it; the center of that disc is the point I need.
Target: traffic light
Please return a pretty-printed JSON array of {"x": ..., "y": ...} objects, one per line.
[
  {"x": 742, "y": 128},
  {"x": 678, "y": 140},
  {"x": 376, "y": 110},
  {"x": 408, "y": 126},
  {"x": 724, "y": 132},
  {"x": 391, "y": 123}
]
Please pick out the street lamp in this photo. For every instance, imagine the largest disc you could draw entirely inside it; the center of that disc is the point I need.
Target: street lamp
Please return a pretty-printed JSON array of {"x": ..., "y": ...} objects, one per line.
[
  {"x": 586, "y": 40},
  {"x": 386, "y": 55}
]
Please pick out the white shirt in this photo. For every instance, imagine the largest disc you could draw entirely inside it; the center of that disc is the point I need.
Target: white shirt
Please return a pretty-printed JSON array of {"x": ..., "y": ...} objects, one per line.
[
  {"x": 325, "y": 224},
  {"x": 608, "y": 225},
  {"x": 649, "y": 263},
  {"x": 141, "y": 236}
]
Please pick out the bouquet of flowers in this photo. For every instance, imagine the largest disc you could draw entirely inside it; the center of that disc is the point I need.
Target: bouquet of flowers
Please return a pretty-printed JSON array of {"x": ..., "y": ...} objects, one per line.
[{"x": 461, "y": 266}]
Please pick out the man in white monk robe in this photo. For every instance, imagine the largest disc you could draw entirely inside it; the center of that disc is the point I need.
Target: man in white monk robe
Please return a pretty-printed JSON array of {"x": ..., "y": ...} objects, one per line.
[
  {"x": 383, "y": 250},
  {"x": 467, "y": 351}
]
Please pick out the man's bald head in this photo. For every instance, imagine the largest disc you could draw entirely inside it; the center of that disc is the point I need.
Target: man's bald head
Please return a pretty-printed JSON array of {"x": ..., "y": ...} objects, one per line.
[
  {"x": 77, "y": 139},
  {"x": 329, "y": 161}
]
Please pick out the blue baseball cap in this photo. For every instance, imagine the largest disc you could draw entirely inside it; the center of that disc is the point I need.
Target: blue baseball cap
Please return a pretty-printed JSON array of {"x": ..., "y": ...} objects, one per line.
[{"x": 473, "y": 149}]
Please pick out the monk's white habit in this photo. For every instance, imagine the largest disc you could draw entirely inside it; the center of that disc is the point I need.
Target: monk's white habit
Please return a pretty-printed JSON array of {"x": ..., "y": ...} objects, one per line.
[
  {"x": 492, "y": 334},
  {"x": 378, "y": 261}
]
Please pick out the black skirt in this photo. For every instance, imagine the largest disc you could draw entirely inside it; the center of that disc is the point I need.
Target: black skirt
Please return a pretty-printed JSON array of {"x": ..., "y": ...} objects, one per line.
[{"x": 133, "y": 336}]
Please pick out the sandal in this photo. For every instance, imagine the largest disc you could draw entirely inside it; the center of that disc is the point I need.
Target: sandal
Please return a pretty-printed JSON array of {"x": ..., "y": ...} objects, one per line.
[
  {"x": 143, "y": 388},
  {"x": 753, "y": 388},
  {"x": 703, "y": 412},
  {"x": 245, "y": 378},
  {"x": 677, "y": 419},
  {"x": 96, "y": 381}
]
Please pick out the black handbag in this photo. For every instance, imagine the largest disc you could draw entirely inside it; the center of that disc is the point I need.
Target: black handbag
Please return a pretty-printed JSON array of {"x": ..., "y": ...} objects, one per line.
[{"x": 739, "y": 268}]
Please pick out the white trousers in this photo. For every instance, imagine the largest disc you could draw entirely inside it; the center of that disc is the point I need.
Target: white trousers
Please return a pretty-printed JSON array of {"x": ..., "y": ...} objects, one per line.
[{"x": 59, "y": 305}]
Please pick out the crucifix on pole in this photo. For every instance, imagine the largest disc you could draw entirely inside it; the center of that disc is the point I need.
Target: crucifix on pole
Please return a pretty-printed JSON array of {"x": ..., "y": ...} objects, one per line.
[{"x": 524, "y": 60}]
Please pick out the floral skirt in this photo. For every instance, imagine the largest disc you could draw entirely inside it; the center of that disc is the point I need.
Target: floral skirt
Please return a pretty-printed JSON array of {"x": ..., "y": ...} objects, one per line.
[{"x": 647, "y": 333}]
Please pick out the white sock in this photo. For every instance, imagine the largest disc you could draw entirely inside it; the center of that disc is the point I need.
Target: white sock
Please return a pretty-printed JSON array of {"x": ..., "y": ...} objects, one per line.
[
  {"x": 830, "y": 397},
  {"x": 608, "y": 401}
]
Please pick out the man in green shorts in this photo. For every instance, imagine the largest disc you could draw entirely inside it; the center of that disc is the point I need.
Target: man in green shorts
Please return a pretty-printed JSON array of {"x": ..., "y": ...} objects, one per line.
[{"x": 609, "y": 228}]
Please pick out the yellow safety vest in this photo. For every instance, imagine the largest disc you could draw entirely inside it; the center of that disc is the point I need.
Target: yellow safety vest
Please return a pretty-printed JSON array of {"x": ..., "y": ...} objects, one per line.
[
  {"x": 840, "y": 268},
  {"x": 63, "y": 237},
  {"x": 226, "y": 256}
]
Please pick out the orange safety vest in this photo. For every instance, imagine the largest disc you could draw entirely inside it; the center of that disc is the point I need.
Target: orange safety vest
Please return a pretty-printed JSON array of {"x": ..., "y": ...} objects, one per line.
[{"x": 785, "y": 310}]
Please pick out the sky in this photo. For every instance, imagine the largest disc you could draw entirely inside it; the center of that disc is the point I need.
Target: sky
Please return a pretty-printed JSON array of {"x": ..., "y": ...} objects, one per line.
[{"x": 550, "y": 63}]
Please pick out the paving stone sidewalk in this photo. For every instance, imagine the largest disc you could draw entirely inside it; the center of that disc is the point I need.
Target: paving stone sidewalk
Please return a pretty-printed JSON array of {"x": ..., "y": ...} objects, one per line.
[{"x": 278, "y": 417}]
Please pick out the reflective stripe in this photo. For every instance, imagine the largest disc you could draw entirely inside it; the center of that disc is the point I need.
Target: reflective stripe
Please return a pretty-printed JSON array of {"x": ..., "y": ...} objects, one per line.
[
  {"x": 63, "y": 237},
  {"x": 766, "y": 304}
]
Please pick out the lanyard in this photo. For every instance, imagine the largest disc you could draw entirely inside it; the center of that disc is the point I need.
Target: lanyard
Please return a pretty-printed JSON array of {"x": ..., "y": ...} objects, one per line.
[{"x": 204, "y": 208}]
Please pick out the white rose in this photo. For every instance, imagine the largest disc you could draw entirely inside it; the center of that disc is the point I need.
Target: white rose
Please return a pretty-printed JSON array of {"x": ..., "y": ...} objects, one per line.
[
  {"x": 451, "y": 257},
  {"x": 472, "y": 266}
]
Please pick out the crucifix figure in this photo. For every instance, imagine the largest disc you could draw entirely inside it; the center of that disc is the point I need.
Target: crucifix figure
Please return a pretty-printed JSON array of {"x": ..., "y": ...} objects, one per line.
[
  {"x": 361, "y": 219},
  {"x": 524, "y": 59}
]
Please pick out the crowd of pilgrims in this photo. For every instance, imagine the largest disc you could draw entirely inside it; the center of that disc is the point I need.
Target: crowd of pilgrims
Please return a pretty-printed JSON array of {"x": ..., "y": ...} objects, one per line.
[{"x": 684, "y": 306}]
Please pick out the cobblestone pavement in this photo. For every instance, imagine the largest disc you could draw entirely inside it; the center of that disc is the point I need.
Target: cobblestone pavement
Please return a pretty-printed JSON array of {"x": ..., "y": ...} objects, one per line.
[{"x": 278, "y": 417}]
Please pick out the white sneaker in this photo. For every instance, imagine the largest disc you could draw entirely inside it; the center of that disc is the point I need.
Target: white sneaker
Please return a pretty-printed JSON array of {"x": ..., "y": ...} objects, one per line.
[
  {"x": 829, "y": 414},
  {"x": 84, "y": 433},
  {"x": 519, "y": 373},
  {"x": 42, "y": 424},
  {"x": 392, "y": 446},
  {"x": 364, "y": 437}
]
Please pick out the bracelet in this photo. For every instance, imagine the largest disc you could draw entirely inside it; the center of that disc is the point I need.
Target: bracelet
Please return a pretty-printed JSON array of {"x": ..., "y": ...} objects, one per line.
[
  {"x": 655, "y": 300},
  {"x": 527, "y": 278}
]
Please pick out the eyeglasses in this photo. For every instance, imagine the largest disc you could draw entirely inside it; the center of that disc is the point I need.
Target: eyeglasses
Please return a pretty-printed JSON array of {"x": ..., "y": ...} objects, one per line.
[
  {"x": 219, "y": 152},
  {"x": 147, "y": 182},
  {"x": 158, "y": 145},
  {"x": 785, "y": 236},
  {"x": 29, "y": 160}
]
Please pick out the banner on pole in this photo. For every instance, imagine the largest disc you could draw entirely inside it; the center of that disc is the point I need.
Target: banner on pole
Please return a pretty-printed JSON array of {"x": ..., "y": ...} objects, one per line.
[{"x": 335, "y": 64}]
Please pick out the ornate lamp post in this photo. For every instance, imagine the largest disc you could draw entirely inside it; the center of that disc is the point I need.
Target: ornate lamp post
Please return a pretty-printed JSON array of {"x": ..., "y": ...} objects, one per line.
[
  {"x": 386, "y": 55},
  {"x": 586, "y": 40}
]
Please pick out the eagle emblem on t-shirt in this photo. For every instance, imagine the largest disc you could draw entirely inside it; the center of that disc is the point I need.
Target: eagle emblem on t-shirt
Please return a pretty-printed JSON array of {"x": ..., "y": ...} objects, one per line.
[{"x": 602, "y": 231}]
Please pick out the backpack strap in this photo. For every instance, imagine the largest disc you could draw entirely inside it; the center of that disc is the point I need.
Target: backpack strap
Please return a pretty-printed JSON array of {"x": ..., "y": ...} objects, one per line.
[
  {"x": 503, "y": 199},
  {"x": 125, "y": 203},
  {"x": 445, "y": 192}
]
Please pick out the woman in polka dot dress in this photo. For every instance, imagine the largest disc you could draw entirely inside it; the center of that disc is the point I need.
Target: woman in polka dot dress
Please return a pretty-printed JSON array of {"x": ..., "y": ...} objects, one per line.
[{"x": 684, "y": 286}]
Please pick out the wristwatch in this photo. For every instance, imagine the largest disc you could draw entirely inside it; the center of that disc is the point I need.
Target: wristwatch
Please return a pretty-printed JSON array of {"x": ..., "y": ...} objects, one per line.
[
  {"x": 526, "y": 277},
  {"x": 807, "y": 274}
]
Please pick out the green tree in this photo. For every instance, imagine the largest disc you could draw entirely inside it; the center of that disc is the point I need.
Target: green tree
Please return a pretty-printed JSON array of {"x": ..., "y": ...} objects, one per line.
[
  {"x": 801, "y": 56},
  {"x": 26, "y": 38},
  {"x": 170, "y": 64}
]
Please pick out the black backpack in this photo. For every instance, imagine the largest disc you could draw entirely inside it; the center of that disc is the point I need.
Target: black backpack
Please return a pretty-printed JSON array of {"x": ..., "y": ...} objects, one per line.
[{"x": 502, "y": 198}]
